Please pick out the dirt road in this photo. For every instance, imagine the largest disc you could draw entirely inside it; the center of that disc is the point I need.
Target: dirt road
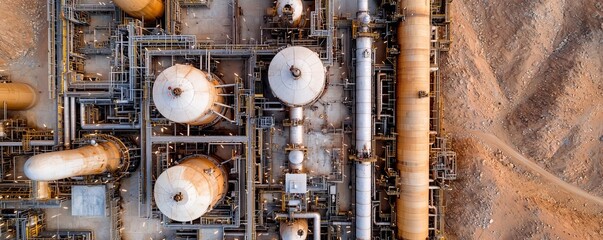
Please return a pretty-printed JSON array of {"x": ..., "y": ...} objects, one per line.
[{"x": 494, "y": 141}]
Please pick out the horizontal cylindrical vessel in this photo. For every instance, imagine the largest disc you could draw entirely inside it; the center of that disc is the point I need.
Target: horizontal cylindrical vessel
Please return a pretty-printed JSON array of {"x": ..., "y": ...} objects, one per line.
[
  {"x": 292, "y": 8},
  {"x": 185, "y": 94},
  {"x": 17, "y": 96},
  {"x": 412, "y": 120},
  {"x": 88, "y": 160},
  {"x": 188, "y": 190},
  {"x": 147, "y": 9},
  {"x": 294, "y": 230}
]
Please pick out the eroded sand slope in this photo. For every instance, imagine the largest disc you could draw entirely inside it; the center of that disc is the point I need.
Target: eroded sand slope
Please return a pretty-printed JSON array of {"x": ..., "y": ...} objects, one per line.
[{"x": 530, "y": 73}]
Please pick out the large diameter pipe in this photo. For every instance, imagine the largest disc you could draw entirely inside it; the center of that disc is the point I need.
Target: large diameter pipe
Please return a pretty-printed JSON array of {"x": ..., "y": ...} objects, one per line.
[
  {"x": 88, "y": 160},
  {"x": 306, "y": 215},
  {"x": 190, "y": 189},
  {"x": 364, "y": 45},
  {"x": 412, "y": 121},
  {"x": 66, "y": 122},
  {"x": 41, "y": 190},
  {"x": 142, "y": 9},
  {"x": 17, "y": 96}
]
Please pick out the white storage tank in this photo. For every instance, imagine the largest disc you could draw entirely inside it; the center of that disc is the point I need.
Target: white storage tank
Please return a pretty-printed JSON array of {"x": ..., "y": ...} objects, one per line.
[
  {"x": 185, "y": 94},
  {"x": 296, "y": 76},
  {"x": 294, "y": 230},
  {"x": 188, "y": 190},
  {"x": 292, "y": 8}
]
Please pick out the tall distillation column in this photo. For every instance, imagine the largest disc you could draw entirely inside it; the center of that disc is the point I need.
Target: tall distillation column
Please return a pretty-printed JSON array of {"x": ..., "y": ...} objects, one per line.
[
  {"x": 297, "y": 77},
  {"x": 364, "y": 45},
  {"x": 190, "y": 189},
  {"x": 412, "y": 120}
]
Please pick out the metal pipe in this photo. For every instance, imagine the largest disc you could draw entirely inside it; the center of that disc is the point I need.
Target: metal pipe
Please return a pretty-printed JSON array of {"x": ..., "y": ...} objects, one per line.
[
  {"x": 306, "y": 215},
  {"x": 17, "y": 96},
  {"x": 379, "y": 93},
  {"x": 296, "y": 137},
  {"x": 41, "y": 190},
  {"x": 72, "y": 116},
  {"x": 412, "y": 120},
  {"x": 89, "y": 160},
  {"x": 31, "y": 143},
  {"x": 66, "y": 124},
  {"x": 102, "y": 126},
  {"x": 364, "y": 52}
]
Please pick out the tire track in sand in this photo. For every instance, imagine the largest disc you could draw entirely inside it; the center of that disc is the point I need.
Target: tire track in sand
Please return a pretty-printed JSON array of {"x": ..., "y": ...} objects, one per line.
[{"x": 494, "y": 141}]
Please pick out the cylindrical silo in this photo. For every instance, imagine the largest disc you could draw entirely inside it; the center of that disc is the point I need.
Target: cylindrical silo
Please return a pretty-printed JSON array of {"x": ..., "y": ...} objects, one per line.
[
  {"x": 17, "y": 96},
  {"x": 88, "y": 160},
  {"x": 294, "y": 230},
  {"x": 412, "y": 120},
  {"x": 296, "y": 76},
  {"x": 185, "y": 94},
  {"x": 147, "y": 9},
  {"x": 188, "y": 190},
  {"x": 291, "y": 9}
]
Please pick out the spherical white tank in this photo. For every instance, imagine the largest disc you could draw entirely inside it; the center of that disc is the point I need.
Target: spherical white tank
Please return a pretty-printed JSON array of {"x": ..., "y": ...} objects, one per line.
[
  {"x": 295, "y": 8},
  {"x": 185, "y": 94},
  {"x": 296, "y": 76},
  {"x": 295, "y": 230},
  {"x": 188, "y": 190}
]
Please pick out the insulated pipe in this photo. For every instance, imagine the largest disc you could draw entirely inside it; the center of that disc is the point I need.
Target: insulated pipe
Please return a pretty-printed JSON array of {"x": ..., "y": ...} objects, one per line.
[
  {"x": 296, "y": 137},
  {"x": 89, "y": 160},
  {"x": 188, "y": 190},
  {"x": 363, "y": 123},
  {"x": 17, "y": 96},
  {"x": 306, "y": 215},
  {"x": 147, "y": 9},
  {"x": 66, "y": 122},
  {"x": 41, "y": 190},
  {"x": 72, "y": 115},
  {"x": 412, "y": 120}
]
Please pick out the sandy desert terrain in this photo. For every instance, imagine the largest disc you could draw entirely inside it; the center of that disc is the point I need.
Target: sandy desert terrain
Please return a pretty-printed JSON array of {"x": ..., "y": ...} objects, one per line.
[{"x": 529, "y": 73}]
